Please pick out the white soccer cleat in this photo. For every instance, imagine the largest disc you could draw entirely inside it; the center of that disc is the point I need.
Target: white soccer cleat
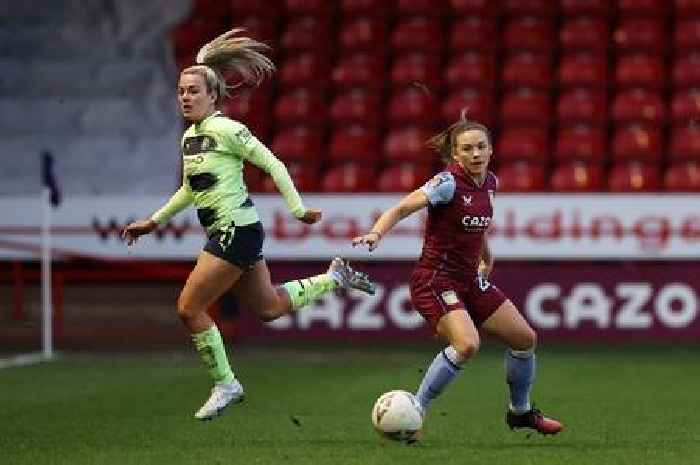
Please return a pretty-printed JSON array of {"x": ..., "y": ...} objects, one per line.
[
  {"x": 347, "y": 278},
  {"x": 222, "y": 395}
]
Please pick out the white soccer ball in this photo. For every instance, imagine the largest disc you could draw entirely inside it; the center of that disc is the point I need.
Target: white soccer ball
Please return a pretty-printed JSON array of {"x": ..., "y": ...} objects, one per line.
[{"x": 397, "y": 415}]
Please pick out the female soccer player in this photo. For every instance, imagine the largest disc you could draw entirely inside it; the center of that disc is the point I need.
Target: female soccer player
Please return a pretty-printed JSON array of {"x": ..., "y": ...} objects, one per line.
[
  {"x": 450, "y": 287},
  {"x": 214, "y": 148}
]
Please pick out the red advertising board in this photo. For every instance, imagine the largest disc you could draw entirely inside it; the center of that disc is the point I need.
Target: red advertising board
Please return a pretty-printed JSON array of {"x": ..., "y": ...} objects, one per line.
[{"x": 612, "y": 302}]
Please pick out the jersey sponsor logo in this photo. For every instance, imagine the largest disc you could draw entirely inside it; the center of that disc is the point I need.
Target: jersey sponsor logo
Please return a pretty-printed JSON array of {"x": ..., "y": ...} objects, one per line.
[
  {"x": 450, "y": 297},
  {"x": 198, "y": 144},
  {"x": 476, "y": 222}
]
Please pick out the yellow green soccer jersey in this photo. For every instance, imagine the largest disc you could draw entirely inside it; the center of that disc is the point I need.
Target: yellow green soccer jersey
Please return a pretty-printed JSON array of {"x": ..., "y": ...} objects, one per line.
[{"x": 213, "y": 152}]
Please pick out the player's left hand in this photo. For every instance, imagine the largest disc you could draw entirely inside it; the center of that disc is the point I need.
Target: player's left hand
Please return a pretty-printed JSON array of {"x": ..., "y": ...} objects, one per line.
[{"x": 311, "y": 216}]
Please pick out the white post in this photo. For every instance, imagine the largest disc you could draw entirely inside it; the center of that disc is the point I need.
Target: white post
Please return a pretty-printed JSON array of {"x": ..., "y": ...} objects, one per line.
[{"x": 47, "y": 309}]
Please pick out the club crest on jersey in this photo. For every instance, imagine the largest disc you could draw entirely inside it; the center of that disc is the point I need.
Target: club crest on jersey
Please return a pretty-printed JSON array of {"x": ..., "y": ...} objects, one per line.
[
  {"x": 450, "y": 297},
  {"x": 467, "y": 199}
]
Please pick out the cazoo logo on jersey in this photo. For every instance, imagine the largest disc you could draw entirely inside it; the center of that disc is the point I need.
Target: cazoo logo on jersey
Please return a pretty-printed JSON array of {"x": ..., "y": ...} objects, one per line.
[{"x": 476, "y": 222}]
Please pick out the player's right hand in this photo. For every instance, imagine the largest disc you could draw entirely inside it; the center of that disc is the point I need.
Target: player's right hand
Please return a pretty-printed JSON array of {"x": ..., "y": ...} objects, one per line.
[
  {"x": 370, "y": 239},
  {"x": 132, "y": 231}
]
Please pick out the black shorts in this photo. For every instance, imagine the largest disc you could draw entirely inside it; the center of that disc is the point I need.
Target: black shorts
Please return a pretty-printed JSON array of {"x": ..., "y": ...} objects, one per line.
[{"x": 240, "y": 246}]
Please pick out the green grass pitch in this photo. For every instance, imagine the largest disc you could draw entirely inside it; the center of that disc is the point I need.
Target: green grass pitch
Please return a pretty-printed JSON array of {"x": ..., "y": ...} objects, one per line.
[{"x": 312, "y": 406}]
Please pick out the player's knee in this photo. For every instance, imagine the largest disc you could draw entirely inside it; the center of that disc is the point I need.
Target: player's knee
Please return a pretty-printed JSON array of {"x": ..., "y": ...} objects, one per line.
[
  {"x": 526, "y": 340},
  {"x": 465, "y": 349},
  {"x": 271, "y": 309},
  {"x": 186, "y": 308}
]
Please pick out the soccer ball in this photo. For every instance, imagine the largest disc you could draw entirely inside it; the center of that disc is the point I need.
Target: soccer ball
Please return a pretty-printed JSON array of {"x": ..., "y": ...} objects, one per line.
[{"x": 397, "y": 415}]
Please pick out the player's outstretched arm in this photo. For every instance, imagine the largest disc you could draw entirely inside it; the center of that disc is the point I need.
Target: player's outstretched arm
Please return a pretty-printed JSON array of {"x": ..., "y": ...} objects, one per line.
[{"x": 410, "y": 204}]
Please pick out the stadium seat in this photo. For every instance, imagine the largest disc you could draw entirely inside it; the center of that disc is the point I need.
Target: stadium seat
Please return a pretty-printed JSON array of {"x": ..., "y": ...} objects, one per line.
[
  {"x": 355, "y": 143},
  {"x": 685, "y": 106},
  {"x": 404, "y": 177},
  {"x": 685, "y": 143},
  {"x": 349, "y": 177},
  {"x": 523, "y": 143},
  {"x": 308, "y": 8},
  {"x": 251, "y": 107},
  {"x": 260, "y": 28},
  {"x": 644, "y": 7},
  {"x": 581, "y": 142},
  {"x": 471, "y": 69},
  {"x": 686, "y": 71},
  {"x": 646, "y": 35},
  {"x": 478, "y": 105},
  {"x": 241, "y": 8},
  {"x": 416, "y": 68},
  {"x": 298, "y": 143},
  {"x": 521, "y": 176},
  {"x": 527, "y": 69},
  {"x": 307, "y": 33},
  {"x": 634, "y": 177},
  {"x": 584, "y": 33},
  {"x": 686, "y": 35},
  {"x": 476, "y": 8},
  {"x": 253, "y": 177},
  {"x": 304, "y": 174},
  {"x": 640, "y": 70},
  {"x": 638, "y": 106},
  {"x": 685, "y": 8},
  {"x": 583, "y": 70},
  {"x": 417, "y": 34},
  {"x": 359, "y": 69},
  {"x": 519, "y": 8},
  {"x": 304, "y": 70},
  {"x": 190, "y": 35},
  {"x": 683, "y": 177},
  {"x": 473, "y": 33},
  {"x": 601, "y": 8},
  {"x": 529, "y": 33},
  {"x": 363, "y": 34},
  {"x": 526, "y": 107},
  {"x": 420, "y": 7},
  {"x": 300, "y": 105},
  {"x": 374, "y": 8},
  {"x": 577, "y": 176},
  {"x": 580, "y": 105},
  {"x": 408, "y": 144},
  {"x": 643, "y": 143},
  {"x": 413, "y": 106},
  {"x": 357, "y": 107}
]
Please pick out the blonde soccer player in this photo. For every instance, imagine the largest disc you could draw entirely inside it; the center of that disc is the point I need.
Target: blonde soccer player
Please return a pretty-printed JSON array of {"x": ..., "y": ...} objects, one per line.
[{"x": 214, "y": 149}]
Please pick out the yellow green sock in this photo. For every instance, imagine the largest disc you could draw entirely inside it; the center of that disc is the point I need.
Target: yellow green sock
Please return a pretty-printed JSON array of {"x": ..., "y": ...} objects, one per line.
[
  {"x": 304, "y": 291},
  {"x": 210, "y": 347}
]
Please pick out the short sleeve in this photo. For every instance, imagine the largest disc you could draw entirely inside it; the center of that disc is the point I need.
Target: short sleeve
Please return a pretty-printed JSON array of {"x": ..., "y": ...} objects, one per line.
[{"x": 440, "y": 189}]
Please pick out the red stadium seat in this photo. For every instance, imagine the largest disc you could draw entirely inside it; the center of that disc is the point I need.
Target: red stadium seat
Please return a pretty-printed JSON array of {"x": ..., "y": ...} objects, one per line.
[
  {"x": 357, "y": 107},
  {"x": 473, "y": 33},
  {"x": 374, "y": 8},
  {"x": 584, "y": 69},
  {"x": 518, "y": 143},
  {"x": 417, "y": 34},
  {"x": 478, "y": 105},
  {"x": 471, "y": 69},
  {"x": 476, "y": 8},
  {"x": 685, "y": 143},
  {"x": 408, "y": 144},
  {"x": 413, "y": 106},
  {"x": 298, "y": 143},
  {"x": 212, "y": 9},
  {"x": 301, "y": 105},
  {"x": 526, "y": 106},
  {"x": 349, "y": 177},
  {"x": 686, "y": 35},
  {"x": 581, "y": 105},
  {"x": 686, "y": 71},
  {"x": 583, "y": 143},
  {"x": 404, "y": 177},
  {"x": 637, "y": 143},
  {"x": 527, "y": 69},
  {"x": 577, "y": 176},
  {"x": 644, "y": 7},
  {"x": 420, "y": 7},
  {"x": 634, "y": 177},
  {"x": 251, "y": 107},
  {"x": 586, "y": 7},
  {"x": 683, "y": 177},
  {"x": 640, "y": 70},
  {"x": 363, "y": 34},
  {"x": 416, "y": 68},
  {"x": 359, "y": 70},
  {"x": 641, "y": 35},
  {"x": 529, "y": 33},
  {"x": 685, "y": 106},
  {"x": 308, "y": 7},
  {"x": 307, "y": 33},
  {"x": 355, "y": 143},
  {"x": 304, "y": 174},
  {"x": 305, "y": 70},
  {"x": 638, "y": 106},
  {"x": 190, "y": 35},
  {"x": 260, "y": 28},
  {"x": 529, "y": 7},
  {"x": 685, "y": 8},
  {"x": 521, "y": 176},
  {"x": 241, "y": 8},
  {"x": 584, "y": 33}
]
